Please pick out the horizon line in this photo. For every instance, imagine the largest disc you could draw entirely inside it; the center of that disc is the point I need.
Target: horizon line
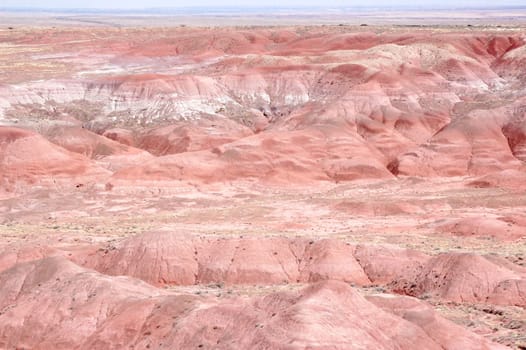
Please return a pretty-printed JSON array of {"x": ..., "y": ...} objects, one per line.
[{"x": 243, "y": 7}]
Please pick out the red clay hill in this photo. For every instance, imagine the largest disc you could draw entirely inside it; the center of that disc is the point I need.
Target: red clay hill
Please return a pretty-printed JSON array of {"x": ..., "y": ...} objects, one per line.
[{"x": 329, "y": 187}]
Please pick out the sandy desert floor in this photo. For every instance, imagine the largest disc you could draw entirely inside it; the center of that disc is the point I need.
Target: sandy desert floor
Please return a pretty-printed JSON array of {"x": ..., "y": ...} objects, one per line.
[{"x": 346, "y": 187}]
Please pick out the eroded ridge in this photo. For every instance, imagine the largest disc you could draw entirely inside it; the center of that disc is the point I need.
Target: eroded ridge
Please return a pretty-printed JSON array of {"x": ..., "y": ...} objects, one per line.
[{"x": 269, "y": 187}]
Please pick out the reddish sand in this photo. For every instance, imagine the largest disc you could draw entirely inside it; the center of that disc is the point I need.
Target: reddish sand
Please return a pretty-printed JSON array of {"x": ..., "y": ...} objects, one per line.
[{"x": 330, "y": 187}]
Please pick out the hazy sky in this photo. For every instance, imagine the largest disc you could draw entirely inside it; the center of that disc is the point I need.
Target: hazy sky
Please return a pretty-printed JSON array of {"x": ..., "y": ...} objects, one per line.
[{"x": 135, "y": 4}]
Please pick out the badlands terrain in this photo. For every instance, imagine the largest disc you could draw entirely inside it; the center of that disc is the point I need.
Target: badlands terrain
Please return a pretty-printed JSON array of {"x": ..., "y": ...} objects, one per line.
[{"x": 322, "y": 187}]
